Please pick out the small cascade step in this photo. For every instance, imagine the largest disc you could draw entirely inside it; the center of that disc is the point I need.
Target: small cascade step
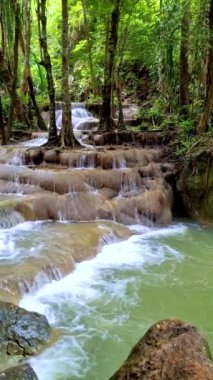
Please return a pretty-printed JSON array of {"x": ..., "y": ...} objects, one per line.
[
  {"x": 10, "y": 218},
  {"x": 124, "y": 185},
  {"x": 28, "y": 264},
  {"x": 83, "y": 122}
]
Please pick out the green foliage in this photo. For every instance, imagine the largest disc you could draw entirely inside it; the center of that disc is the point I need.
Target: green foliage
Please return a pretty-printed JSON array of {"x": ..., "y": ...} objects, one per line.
[
  {"x": 43, "y": 102},
  {"x": 157, "y": 113},
  {"x": 183, "y": 144},
  {"x": 95, "y": 99},
  {"x": 187, "y": 126},
  {"x": 149, "y": 37},
  {"x": 19, "y": 126},
  {"x": 5, "y": 105}
]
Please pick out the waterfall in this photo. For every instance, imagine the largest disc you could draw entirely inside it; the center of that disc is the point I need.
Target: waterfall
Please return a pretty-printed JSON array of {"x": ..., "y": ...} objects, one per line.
[
  {"x": 84, "y": 123},
  {"x": 80, "y": 115},
  {"x": 79, "y": 111},
  {"x": 9, "y": 218}
]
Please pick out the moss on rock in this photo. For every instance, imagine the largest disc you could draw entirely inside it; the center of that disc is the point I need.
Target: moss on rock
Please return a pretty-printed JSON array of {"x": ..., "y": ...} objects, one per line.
[
  {"x": 196, "y": 185},
  {"x": 21, "y": 332},
  {"x": 22, "y": 372}
]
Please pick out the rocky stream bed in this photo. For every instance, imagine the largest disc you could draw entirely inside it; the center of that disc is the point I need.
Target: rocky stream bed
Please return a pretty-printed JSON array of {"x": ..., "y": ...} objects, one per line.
[{"x": 58, "y": 210}]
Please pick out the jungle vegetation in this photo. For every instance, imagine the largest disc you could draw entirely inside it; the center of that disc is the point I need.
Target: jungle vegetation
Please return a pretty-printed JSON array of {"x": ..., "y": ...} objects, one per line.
[{"x": 157, "y": 53}]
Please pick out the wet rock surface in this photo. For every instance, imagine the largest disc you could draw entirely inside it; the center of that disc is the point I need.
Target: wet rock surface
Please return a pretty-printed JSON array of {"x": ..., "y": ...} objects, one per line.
[
  {"x": 53, "y": 263},
  {"x": 123, "y": 185},
  {"x": 148, "y": 138},
  {"x": 22, "y": 332},
  {"x": 22, "y": 372},
  {"x": 170, "y": 350},
  {"x": 196, "y": 185}
]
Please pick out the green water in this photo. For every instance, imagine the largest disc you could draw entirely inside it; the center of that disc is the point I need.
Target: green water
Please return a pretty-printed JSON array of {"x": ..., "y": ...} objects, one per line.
[
  {"x": 108, "y": 303},
  {"x": 173, "y": 289}
]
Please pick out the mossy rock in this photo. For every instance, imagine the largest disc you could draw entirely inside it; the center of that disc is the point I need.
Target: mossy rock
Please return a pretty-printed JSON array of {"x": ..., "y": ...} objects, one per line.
[
  {"x": 22, "y": 332},
  {"x": 22, "y": 372},
  {"x": 196, "y": 185}
]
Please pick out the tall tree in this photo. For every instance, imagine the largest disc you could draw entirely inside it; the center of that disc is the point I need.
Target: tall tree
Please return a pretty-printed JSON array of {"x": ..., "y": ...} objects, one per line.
[
  {"x": 46, "y": 62},
  {"x": 184, "y": 58},
  {"x": 89, "y": 46},
  {"x": 106, "y": 121},
  {"x": 67, "y": 135},
  {"x": 2, "y": 130},
  {"x": 208, "y": 105},
  {"x": 9, "y": 33},
  {"x": 15, "y": 71},
  {"x": 27, "y": 81}
]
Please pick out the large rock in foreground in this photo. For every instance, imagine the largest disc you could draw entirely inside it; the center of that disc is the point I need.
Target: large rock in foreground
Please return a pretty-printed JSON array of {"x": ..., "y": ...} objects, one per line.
[
  {"x": 21, "y": 332},
  {"x": 170, "y": 350},
  {"x": 22, "y": 372}
]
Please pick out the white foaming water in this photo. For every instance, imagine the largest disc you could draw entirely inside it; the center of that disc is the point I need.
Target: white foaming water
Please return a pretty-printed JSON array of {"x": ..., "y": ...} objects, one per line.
[
  {"x": 119, "y": 163},
  {"x": 82, "y": 121},
  {"x": 15, "y": 242},
  {"x": 80, "y": 116},
  {"x": 35, "y": 142},
  {"x": 86, "y": 161},
  {"x": 79, "y": 111},
  {"x": 73, "y": 303},
  {"x": 18, "y": 159},
  {"x": 157, "y": 232}
]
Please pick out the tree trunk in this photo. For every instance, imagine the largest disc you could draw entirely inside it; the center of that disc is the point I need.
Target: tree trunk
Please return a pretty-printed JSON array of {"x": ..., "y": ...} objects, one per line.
[
  {"x": 89, "y": 47},
  {"x": 209, "y": 73},
  {"x": 26, "y": 43},
  {"x": 2, "y": 130},
  {"x": 67, "y": 135},
  {"x": 184, "y": 64},
  {"x": 2, "y": 34},
  {"x": 121, "y": 49},
  {"x": 15, "y": 73},
  {"x": 208, "y": 105},
  {"x": 7, "y": 79},
  {"x": 106, "y": 121},
  {"x": 203, "y": 123},
  {"x": 27, "y": 82},
  {"x": 40, "y": 121},
  {"x": 46, "y": 62},
  {"x": 120, "y": 106},
  {"x": 160, "y": 84}
]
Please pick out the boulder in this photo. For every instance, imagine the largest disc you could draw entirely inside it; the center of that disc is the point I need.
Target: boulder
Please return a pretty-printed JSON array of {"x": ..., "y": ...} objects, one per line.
[
  {"x": 34, "y": 156},
  {"x": 21, "y": 332},
  {"x": 170, "y": 350},
  {"x": 51, "y": 156},
  {"x": 147, "y": 138},
  {"x": 196, "y": 185},
  {"x": 22, "y": 372}
]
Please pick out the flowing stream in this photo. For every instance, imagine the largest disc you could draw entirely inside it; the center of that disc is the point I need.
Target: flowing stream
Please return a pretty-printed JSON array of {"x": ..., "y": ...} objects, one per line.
[
  {"x": 84, "y": 123},
  {"x": 105, "y": 305},
  {"x": 100, "y": 284}
]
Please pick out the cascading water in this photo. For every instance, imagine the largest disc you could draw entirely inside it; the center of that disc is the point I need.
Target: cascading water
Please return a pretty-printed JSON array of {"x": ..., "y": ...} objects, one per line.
[
  {"x": 9, "y": 218},
  {"x": 107, "y": 303},
  {"x": 35, "y": 142},
  {"x": 101, "y": 305},
  {"x": 84, "y": 123}
]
